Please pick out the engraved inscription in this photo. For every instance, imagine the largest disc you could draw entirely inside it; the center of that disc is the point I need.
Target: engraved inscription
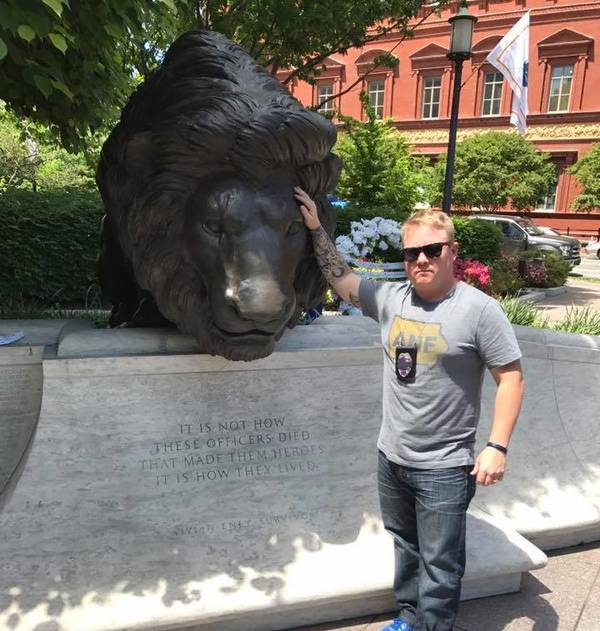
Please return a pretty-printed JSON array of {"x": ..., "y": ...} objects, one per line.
[
  {"x": 19, "y": 389},
  {"x": 20, "y": 398},
  {"x": 232, "y": 450}
]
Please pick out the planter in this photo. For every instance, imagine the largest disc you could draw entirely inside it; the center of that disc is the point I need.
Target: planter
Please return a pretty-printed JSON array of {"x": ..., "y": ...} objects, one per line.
[
  {"x": 535, "y": 294},
  {"x": 378, "y": 271},
  {"x": 555, "y": 291},
  {"x": 531, "y": 294}
]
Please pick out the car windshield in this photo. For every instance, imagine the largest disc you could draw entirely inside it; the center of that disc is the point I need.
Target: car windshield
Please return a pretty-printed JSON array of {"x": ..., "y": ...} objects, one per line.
[{"x": 529, "y": 227}]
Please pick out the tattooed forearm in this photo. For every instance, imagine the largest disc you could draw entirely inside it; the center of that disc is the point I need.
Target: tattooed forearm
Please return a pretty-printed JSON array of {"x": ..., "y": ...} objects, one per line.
[{"x": 331, "y": 262}]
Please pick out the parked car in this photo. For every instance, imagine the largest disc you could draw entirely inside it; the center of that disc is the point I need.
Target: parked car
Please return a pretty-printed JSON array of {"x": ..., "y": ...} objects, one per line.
[
  {"x": 556, "y": 233},
  {"x": 520, "y": 233},
  {"x": 593, "y": 247},
  {"x": 550, "y": 231}
]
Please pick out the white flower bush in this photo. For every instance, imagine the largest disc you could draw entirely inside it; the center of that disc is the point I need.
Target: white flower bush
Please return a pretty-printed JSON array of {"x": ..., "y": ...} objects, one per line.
[{"x": 370, "y": 238}]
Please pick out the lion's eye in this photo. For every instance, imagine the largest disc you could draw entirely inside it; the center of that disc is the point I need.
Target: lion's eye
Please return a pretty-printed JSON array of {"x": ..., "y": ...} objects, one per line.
[
  {"x": 295, "y": 227},
  {"x": 212, "y": 227}
]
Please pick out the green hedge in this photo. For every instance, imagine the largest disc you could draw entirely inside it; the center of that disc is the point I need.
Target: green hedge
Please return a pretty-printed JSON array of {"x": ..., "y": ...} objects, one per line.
[
  {"x": 479, "y": 240},
  {"x": 49, "y": 247}
]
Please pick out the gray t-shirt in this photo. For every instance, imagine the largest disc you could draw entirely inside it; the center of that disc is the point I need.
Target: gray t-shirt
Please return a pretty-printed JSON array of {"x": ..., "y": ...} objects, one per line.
[{"x": 430, "y": 422}]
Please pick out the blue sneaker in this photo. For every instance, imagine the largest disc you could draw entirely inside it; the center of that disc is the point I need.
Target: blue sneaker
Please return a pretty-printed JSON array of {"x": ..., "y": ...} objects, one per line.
[
  {"x": 397, "y": 624},
  {"x": 314, "y": 313}
]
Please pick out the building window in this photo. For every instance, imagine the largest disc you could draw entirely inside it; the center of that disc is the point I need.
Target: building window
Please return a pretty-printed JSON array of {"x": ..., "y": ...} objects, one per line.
[
  {"x": 492, "y": 94},
  {"x": 560, "y": 88},
  {"x": 431, "y": 97},
  {"x": 324, "y": 91},
  {"x": 548, "y": 203},
  {"x": 376, "y": 90}
]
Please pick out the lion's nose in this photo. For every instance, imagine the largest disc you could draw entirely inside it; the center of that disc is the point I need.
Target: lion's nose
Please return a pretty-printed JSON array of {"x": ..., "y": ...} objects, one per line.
[{"x": 259, "y": 300}]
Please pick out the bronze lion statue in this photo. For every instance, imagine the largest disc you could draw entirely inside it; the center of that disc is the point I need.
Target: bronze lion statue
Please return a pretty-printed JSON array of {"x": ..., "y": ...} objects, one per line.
[{"x": 202, "y": 230}]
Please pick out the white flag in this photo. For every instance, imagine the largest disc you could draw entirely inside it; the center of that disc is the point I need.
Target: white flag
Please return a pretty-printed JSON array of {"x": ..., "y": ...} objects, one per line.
[{"x": 511, "y": 58}]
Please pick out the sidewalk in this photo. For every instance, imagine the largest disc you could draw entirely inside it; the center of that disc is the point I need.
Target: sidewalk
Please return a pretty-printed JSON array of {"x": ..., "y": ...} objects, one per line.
[
  {"x": 563, "y": 596},
  {"x": 579, "y": 294}
]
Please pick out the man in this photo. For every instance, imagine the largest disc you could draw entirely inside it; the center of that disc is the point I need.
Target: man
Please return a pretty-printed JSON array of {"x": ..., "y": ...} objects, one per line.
[{"x": 438, "y": 336}]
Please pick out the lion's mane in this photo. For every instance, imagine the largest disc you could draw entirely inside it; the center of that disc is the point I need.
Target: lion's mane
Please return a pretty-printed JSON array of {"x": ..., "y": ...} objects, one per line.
[{"x": 208, "y": 109}]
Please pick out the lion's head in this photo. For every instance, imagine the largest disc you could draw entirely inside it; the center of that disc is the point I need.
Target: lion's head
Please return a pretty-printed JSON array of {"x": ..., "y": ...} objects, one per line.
[{"x": 197, "y": 179}]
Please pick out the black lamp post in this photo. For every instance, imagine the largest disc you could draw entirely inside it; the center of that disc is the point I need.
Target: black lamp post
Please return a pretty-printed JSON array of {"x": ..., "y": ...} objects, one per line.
[{"x": 460, "y": 49}]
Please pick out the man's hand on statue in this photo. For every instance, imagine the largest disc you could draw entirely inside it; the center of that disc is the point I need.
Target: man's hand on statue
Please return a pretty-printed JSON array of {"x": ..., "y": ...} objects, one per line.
[
  {"x": 489, "y": 467},
  {"x": 308, "y": 209}
]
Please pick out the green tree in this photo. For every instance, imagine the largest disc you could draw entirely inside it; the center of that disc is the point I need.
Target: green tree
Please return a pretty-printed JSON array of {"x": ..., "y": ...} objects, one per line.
[
  {"x": 587, "y": 170},
  {"x": 378, "y": 167},
  {"x": 66, "y": 63},
  {"x": 494, "y": 168},
  {"x": 72, "y": 64},
  {"x": 18, "y": 158},
  {"x": 59, "y": 169},
  {"x": 30, "y": 158},
  {"x": 300, "y": 35}
]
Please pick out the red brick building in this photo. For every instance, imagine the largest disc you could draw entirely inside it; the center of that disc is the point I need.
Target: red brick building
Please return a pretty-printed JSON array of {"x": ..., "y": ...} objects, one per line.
[{"x": 564, "y": 87}]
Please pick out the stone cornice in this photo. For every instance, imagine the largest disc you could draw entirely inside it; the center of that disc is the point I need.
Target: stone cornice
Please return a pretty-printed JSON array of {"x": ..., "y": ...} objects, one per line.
[
  {"x": 568, "y": 131},
  {"x": 565, "y": 43},
  {"x": 567, "y": 118},
  {"x": 572, "y": 131},
  {"x": 491, "y": 21}
]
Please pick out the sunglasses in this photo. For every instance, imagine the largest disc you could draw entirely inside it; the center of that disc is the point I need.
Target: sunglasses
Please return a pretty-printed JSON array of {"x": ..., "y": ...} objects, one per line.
[{"x": 431, "y": 251}]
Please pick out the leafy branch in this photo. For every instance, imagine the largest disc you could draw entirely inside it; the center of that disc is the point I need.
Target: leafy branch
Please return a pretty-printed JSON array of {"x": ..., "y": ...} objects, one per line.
[{"x": 378, "y": 62}]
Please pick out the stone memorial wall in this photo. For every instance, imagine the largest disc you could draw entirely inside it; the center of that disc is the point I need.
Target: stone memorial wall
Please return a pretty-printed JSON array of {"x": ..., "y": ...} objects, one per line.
[
  {"x": 189, "y": 492},
  {"x": 20, "y": 401},
  {"x": 551, "y": 493}
]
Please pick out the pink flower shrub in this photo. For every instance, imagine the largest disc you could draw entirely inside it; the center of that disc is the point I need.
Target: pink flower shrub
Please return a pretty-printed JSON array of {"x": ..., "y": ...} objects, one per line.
[
  {"x": 536, "y": 274},
  {"x": 473, "y": 272}
]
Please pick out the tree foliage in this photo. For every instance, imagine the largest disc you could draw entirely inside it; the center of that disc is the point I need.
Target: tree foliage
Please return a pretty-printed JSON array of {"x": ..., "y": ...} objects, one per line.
[
  {"x": 587, "y": 170},
  {"x": 18, "y": 159},
  {"x": 67, "y": 63},
  {"x": 72, "y": 64},
  {"x": 300, "y": 35},
  {"x": 493, "y": 169},
  {"x": 30, "y": 158},
  {"x": 378, "y": 167}
]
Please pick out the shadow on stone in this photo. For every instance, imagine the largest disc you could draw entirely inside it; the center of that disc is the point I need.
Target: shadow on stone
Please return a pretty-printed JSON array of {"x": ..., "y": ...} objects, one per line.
[{"x": 496, "y": 614}]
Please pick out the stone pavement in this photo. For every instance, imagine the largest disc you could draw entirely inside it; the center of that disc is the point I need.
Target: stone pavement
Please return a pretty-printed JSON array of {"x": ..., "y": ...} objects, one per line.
[
  {"x": 589, "y": 266},
  {"x": 579, "y": 294},
  {"x": 563, "y": 596}
]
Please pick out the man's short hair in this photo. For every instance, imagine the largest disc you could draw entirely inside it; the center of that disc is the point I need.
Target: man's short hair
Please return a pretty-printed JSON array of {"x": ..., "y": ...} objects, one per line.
[{"x": 428, "y": 217}]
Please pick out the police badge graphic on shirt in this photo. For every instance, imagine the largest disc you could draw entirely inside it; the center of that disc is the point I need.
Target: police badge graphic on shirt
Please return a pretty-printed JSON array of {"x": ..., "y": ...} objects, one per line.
[{"x": 406, "y": 363}]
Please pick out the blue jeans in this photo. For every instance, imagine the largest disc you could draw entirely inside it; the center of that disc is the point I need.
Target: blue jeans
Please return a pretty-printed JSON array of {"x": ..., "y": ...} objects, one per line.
[{"x": 425, "y": 512}]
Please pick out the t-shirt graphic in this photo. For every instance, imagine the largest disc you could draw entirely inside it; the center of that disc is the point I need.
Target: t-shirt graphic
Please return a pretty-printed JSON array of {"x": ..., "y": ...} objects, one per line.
[{"x": 426, "y": 336}]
